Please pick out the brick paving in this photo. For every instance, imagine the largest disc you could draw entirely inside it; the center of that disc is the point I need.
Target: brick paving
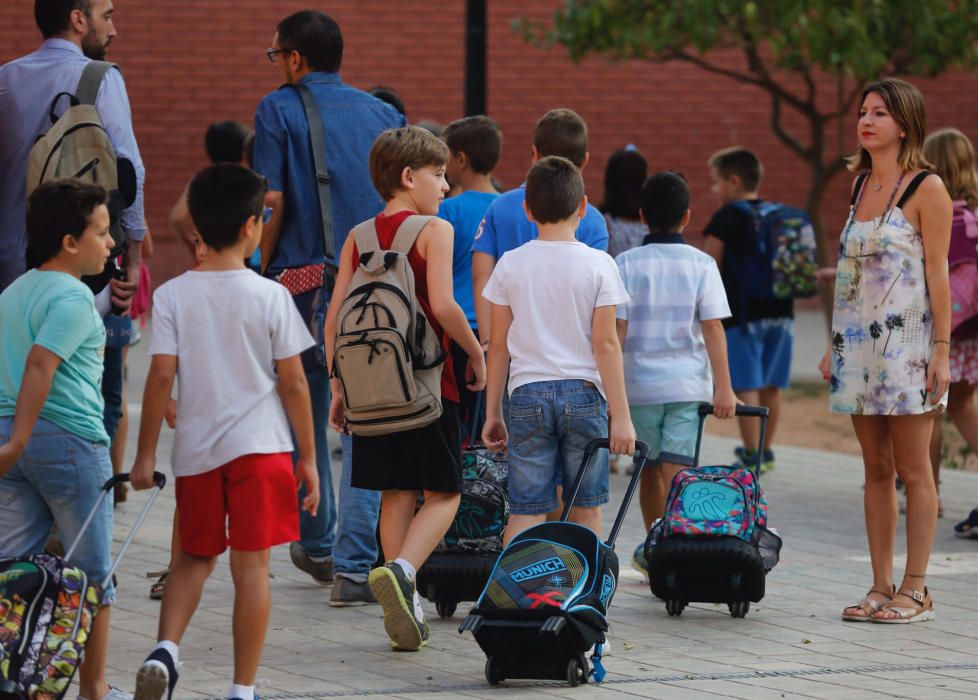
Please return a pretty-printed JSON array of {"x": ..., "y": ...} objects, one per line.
[{"x": 791, "y": 644}]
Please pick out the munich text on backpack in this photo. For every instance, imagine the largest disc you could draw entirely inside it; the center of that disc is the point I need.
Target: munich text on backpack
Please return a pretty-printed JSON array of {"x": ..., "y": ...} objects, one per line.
[
  {"x": 546, "y": 603},
  {"x": 713, "y": 544},
  {"x": 963, "y": 276},
  {"x": 77, "y": 146},
  {"x": 47, "y": 608},
  {"x": 386, "y": 355},
  {"x": 784, "y": 264}
]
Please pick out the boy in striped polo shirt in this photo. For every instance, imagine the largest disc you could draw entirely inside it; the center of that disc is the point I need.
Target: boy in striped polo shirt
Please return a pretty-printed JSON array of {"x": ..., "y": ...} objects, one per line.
[{"x": 672, "y": 335}]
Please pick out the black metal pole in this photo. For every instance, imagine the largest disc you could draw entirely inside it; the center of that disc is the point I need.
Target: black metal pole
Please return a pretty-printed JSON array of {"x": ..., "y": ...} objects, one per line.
[{"x": 475, "y": 57}]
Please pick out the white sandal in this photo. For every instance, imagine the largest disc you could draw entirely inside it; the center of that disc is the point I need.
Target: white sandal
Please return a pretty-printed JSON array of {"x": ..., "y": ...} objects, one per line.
[
  {"x": 868, "y": 606},
  {"x": 923, "y": 612}
]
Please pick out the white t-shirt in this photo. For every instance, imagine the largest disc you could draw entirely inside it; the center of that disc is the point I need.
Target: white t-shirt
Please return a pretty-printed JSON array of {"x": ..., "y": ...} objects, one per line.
[
  {"x": 227, "y": 329},
  {"x": 673, "y": 288},
  {"x": 553, "y": 288}
]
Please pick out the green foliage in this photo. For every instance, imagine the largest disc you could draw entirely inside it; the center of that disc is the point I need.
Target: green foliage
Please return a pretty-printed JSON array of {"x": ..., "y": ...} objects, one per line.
[{"x": 859, "y": 40}]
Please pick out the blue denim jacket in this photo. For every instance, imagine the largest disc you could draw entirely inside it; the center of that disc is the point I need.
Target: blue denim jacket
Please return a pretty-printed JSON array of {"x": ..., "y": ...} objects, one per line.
[{"x": 283, "y": 155}]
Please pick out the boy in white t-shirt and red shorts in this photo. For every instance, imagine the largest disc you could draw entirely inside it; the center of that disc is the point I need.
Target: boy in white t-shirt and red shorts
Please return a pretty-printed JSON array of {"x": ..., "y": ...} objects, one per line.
[
  {"x": 553, "y": 315},
  {"x": 233, "y": 338}
]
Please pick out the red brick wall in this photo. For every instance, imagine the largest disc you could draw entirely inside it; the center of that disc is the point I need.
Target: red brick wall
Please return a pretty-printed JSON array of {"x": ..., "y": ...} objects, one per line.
[{"x": 191, "y": 62}]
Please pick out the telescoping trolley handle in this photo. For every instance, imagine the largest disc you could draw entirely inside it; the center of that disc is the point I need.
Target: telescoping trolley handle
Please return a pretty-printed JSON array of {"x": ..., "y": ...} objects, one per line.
[
  {"x": 158, "y": 478},
  {"x": 640, "y": 457},
  {"x": 761, "y": 412}
]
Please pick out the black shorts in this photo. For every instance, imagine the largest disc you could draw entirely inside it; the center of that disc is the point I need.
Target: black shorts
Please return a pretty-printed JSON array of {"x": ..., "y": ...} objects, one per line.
[{"x": 423, "y": 459}]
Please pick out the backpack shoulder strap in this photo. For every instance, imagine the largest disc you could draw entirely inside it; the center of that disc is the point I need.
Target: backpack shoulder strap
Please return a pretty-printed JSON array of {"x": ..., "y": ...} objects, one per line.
[
  {"x": 408, "y": 232},
  {"x": 860, "y": 181},
  {"x": 365, "y": 235},
  {"x": 912, "y": 187},
  {"x": 91, "y": 80}
]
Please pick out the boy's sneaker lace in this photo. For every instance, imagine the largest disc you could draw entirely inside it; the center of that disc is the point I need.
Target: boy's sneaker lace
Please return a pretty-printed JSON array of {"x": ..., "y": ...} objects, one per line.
[
  {"x": 395, "y": 592},
  {"x": 156, "y": 677}
]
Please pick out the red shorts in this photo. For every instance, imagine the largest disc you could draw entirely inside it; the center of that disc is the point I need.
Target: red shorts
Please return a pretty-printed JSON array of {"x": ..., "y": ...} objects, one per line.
[{"x": 249, "y": 504}]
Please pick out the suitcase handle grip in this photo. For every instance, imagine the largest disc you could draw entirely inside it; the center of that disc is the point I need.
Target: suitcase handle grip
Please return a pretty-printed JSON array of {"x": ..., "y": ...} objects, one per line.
[
  {"x": 641, "y": 448},
  {"x": 159, "y": 479},
  {"x": 706, "y": 409}
]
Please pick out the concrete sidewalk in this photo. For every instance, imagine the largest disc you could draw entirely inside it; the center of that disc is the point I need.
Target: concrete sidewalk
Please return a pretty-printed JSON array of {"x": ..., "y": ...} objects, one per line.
[{"x": 792, "y": 644}]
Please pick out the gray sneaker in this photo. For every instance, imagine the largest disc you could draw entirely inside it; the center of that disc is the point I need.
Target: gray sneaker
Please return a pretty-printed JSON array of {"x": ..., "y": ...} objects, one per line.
[
  {"x": 321, "y": 571},
  {"x": 348, "y": 593}
]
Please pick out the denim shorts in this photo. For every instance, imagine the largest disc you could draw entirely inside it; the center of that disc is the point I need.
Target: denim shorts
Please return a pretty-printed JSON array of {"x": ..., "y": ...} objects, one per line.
[
  {"x": 56, "y": 481},
  {"x": 550, "y": 424},
  {"x": 669, "y": 429},
  {"x": 760, "y": 353}
]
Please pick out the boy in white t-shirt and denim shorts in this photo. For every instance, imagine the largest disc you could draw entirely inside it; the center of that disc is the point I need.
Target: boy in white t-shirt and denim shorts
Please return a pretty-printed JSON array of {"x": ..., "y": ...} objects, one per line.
[
  {"x": 672, "y": 334},
  {"x": 233, "y": 338},
  {"x": 553, "y": 325}
]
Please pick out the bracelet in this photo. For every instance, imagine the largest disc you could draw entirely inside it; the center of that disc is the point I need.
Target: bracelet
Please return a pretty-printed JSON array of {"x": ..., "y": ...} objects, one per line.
[{"x": 946, "y": 342}]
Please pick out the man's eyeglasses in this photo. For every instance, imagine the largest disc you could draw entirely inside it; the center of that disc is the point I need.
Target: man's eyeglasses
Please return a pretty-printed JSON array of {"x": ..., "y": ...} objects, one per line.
[{"x": 271, "y": 53}]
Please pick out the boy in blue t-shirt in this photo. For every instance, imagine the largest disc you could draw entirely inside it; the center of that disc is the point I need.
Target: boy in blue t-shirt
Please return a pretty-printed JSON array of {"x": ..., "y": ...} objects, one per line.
[
  {"x": 559, "y": 132},
  {"x": 474, "y": 144},
  {"x": 54, "y": 451}
]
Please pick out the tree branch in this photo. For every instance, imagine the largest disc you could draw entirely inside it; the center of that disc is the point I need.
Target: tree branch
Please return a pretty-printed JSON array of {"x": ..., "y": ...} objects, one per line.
[
  {"x": 834, "y": 168},
  {"x": 789, "y": 140}
]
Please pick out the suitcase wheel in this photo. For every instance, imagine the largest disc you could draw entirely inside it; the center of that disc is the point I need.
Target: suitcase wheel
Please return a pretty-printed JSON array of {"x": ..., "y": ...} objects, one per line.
[
  {"x": 739, "y": 608},
  {"x": 494, "y": 673},
  {"x": 445, "y": 608},
  {"x": 675, "y": 607},
  {"x": 577, "y": 671}
]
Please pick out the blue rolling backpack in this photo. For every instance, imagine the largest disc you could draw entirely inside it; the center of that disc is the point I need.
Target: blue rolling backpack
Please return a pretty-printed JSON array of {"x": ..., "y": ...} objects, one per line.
[{"x": 546, "y": 602}]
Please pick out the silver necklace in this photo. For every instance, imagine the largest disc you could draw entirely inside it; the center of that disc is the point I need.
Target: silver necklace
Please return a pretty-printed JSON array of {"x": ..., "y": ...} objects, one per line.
[{"x": 883, "y": 216}]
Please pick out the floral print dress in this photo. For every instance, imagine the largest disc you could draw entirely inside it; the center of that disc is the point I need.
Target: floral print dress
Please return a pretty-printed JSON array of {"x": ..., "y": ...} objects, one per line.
[{"x": 882, "y": 326}]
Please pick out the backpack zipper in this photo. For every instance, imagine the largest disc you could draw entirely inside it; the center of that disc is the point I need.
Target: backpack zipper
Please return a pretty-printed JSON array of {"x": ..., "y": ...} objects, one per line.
[
  {"x": 29, "y": 623},
  {"x": 91, "y": 164},
  {"x": 400, "y": 369},
  {"x": 371, "y": 421}
]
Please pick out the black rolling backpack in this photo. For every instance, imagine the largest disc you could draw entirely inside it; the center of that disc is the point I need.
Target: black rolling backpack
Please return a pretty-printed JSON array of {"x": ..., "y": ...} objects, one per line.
[
  {"x": 546, "y": 602},
  {"x": 713, "y": 544},
  {"x": 459, "y": 567}
]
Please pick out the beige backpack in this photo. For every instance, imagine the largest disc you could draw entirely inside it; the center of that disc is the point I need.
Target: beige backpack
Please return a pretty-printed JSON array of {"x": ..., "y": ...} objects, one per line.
[{"x": 386, "y": 355}]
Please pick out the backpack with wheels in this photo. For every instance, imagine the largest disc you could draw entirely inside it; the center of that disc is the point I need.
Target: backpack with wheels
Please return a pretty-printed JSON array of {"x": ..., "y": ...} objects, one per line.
[
  {"x": 545, "y": 605},
  {"x": 459, "y": 567},
  {"x": 713, "y": 544},
  {"x": 386, "y": 355},
  {"x": 784, "y": 264}
]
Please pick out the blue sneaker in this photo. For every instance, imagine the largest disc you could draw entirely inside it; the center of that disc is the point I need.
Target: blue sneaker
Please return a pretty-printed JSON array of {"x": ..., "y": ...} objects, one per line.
[
  {"x": 639, "y": 562},
  {"x": 157, "y": 675},
  {"x": 748, "y": 458}
]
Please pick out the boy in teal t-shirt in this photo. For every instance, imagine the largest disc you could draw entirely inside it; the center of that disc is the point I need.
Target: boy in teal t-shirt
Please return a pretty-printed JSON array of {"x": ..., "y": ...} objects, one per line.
[{"x": 54, "y": 451}]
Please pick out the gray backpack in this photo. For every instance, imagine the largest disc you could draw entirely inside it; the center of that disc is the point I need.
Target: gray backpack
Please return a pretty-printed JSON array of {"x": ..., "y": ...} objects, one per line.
[{"x": 386, "y": 355}]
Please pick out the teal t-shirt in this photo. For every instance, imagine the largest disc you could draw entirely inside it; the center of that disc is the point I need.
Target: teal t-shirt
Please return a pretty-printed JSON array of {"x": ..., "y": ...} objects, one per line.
[{"x": 57, "y": 312}]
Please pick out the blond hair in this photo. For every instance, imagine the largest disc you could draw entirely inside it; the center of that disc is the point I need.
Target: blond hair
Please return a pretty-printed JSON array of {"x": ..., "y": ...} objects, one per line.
[
  {"x": 406, "y": 147},
  {"x": 953, "y": 157},
  {"x": 906, "y": 105}
]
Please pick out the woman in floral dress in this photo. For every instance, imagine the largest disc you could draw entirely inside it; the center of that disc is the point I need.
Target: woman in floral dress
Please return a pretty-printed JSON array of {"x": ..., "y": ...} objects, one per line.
[{"x": 888, "y": 356}]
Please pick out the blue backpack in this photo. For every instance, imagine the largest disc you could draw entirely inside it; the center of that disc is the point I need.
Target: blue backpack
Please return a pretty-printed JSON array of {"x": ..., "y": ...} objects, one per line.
[{"x": 784, "y": 264}]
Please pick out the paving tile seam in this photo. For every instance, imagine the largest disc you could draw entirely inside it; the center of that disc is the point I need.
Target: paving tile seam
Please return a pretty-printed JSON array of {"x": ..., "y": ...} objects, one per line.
[{"x": 672, "y": 678}]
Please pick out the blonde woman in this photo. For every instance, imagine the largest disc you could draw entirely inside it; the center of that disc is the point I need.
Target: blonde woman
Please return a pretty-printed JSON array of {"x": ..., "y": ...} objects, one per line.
[
  {"x": 888, "y": 356},
  {"x": 953, "y": 157}
]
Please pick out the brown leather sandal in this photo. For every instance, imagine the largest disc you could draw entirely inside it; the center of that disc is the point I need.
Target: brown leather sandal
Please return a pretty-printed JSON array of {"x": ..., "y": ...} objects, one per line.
[
  {"x": 921, "y": 610},
  {"x": 867, "y": 607}
]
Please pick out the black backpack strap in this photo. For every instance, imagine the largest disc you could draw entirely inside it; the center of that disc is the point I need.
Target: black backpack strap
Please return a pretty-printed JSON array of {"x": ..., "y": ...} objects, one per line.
[
  {"x": 912, "y": 187},
  {"x": 860, "y": 181},
  {"x": 317, "y": 137},
  {"x": 91, "y": 81}
]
